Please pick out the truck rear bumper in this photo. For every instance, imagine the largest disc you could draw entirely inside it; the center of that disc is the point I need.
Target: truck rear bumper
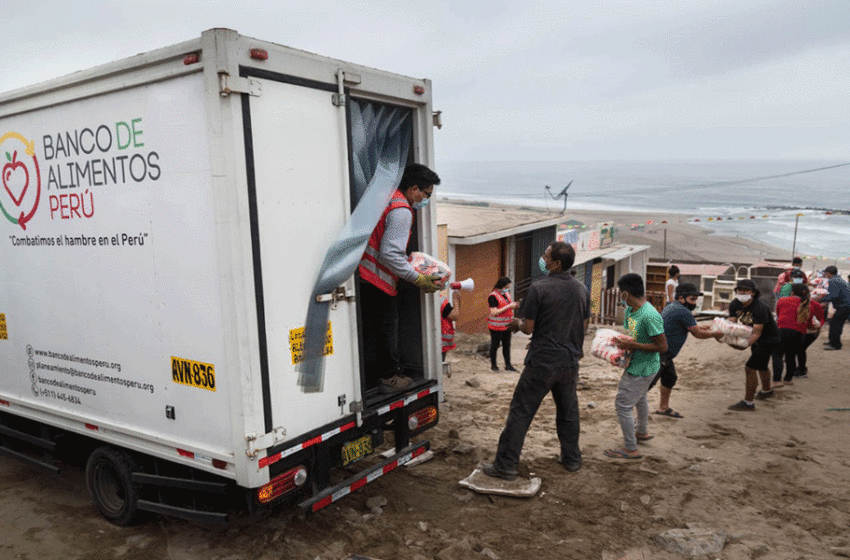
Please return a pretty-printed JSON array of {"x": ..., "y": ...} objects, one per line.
[{"x": 334, "y": 493}]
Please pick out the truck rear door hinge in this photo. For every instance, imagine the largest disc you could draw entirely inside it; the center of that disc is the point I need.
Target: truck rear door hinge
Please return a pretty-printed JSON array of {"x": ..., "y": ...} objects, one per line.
[
  {"x": 339, "y": 294},
  {"x": 228, "y": 84},
  {"x": 258, "y": 443}
]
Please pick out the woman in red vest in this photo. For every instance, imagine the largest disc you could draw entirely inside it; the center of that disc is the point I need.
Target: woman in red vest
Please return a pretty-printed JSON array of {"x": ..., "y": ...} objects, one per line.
[{"x": 499, "y": 321}]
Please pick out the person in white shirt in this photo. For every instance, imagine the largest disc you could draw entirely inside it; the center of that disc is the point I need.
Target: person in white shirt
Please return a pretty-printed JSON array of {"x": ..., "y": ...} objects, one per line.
[{"x": 671, "y": 285}]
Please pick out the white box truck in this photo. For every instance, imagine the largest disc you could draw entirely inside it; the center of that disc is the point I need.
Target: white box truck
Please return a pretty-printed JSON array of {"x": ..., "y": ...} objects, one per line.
[{"x": 165, "y": 220}]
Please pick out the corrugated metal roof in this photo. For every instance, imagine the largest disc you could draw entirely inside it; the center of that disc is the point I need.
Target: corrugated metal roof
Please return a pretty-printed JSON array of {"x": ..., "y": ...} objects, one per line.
[
  {"x": 469, "y": 224},
  {"x": 704, "y": 269}
]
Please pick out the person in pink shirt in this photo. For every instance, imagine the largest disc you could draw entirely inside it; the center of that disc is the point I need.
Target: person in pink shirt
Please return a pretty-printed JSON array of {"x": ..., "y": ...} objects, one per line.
[
  {"x": 793, "y": 317},
  {"x": 816, "y": 322}
]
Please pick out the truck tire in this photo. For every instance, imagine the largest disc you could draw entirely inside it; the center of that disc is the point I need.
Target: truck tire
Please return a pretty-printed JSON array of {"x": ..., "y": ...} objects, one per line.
[{"x": 108, "y": 478}]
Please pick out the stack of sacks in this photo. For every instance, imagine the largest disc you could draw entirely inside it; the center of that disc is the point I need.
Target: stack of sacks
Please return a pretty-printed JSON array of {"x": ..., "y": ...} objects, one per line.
[
  {"x": 734, "y": 334},
  {"x": 429, "y": 266},
  {"x": 820, "y": 286},
  {"x": 603, "y": 347}
]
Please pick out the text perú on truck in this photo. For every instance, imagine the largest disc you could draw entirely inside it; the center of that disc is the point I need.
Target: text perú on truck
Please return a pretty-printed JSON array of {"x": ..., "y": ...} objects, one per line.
[{"x": 166, "y": 220}]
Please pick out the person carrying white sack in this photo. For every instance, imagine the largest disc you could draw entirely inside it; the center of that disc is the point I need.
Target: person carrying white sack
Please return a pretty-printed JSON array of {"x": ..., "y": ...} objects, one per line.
[
  {"x": 748, "y": 310},
  {"x": 383, "y": 264}
]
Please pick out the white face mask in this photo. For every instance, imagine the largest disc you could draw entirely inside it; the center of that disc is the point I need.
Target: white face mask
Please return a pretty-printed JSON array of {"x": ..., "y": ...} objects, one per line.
[{"x": 743, "y": 298}]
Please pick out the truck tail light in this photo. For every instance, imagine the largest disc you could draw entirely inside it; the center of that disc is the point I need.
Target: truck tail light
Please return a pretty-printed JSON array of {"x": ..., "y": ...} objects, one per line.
[
  {"x": 282, "y": 484},
  {"x": 422, "y": 417}
]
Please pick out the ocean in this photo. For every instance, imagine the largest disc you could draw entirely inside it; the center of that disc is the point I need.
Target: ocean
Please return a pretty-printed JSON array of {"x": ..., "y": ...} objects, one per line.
[{"x": 760, "y": 200}]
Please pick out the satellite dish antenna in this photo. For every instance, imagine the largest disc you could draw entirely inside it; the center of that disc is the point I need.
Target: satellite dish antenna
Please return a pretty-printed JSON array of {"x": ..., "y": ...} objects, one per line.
[{"x": 562, "y": 194}]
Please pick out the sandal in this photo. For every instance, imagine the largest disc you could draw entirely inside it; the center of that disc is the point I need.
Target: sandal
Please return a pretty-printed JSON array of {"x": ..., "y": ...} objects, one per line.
[
  {"x": 620, "y": 454},
  {"x": 669, "y": 412}
]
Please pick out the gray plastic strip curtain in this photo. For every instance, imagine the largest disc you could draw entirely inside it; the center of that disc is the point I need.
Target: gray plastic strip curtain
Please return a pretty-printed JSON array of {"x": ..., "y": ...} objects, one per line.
[{"x": 380, "y": 138}]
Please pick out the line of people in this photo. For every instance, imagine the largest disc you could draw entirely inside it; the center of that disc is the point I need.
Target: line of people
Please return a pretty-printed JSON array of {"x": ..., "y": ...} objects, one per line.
[{"x": 556, "y": 314}]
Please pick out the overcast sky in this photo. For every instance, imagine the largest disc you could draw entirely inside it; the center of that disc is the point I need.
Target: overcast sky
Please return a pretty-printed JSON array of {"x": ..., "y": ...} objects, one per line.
[{"x": 523, "y": 80}]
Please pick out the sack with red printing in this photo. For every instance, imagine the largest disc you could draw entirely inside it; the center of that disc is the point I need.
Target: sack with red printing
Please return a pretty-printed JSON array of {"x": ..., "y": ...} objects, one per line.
[
  {"x": 429, "y": 266},
  {"x": 734, "y": 334},
  {"x": 603, "y": 347}
]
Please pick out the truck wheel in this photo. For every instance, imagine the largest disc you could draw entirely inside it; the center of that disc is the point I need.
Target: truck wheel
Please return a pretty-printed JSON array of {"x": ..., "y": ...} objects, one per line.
[{"x": 108, "y": 473}]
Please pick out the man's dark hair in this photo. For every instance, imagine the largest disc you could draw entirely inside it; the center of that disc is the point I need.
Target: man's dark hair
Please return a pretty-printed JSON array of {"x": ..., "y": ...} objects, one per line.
[
  {"x": 796, "y": 261},
  {"x": 419, "y": 175},
  {"x": 631, "y": 283},
  {"x": 563, "y": 253},
  {"x": 797, "y": 274},
  {"x": 831, "y": 270},
  {"x": 674, "y": 270},
  {"x": 501, "y": 283}
]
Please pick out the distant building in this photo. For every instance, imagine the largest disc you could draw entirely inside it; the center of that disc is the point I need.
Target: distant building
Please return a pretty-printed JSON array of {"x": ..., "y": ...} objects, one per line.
[{"x": 485, "y": 242}]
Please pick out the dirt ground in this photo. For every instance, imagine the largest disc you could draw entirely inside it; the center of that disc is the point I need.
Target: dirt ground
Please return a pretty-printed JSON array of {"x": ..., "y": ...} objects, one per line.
[{"x": 775, "y": 480}]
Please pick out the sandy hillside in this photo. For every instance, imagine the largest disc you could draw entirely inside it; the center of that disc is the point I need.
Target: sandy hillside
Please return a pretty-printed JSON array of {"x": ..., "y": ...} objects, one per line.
[{"x": 775, "y": 480}]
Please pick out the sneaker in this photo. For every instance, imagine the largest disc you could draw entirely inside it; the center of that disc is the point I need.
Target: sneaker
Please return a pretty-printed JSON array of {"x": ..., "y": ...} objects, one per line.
[
  {"x": 490, "y": 470},
  {"x": 510, "y": 368},
  {"x": 764, "y": 395},
  {"x": 494, "y": 368},
  {"x": 571, "y": 467},
  {"x": 742, "y": 406},
  {"x": 801, "y": 375},
  {"x": 396, "y": 383},
  {"x": 830, "y": 347}
]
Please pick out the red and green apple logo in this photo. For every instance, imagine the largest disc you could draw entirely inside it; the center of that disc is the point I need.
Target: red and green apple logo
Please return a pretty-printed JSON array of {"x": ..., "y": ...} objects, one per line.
[{"x": 20, "y": 176}]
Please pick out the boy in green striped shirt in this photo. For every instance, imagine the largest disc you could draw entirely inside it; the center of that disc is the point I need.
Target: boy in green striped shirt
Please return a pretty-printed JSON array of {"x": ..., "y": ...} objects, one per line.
[{"x": 645, "y": 325}]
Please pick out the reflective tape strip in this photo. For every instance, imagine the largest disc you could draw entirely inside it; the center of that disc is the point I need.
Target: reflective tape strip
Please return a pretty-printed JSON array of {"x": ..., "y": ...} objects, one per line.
[
  {"x": 271, "y": 459},
  {"x": 373, "y": 268},
  {"x": 408, "y": 400},
  {"x": 371, "y": 477}
]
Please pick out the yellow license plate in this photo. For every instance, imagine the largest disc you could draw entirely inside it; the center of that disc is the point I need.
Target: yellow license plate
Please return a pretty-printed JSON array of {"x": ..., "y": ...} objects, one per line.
[{"x": 356, "y": 449}]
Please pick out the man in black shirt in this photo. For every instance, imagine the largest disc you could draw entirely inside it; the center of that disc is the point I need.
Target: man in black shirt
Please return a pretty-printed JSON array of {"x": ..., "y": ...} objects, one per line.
[
  {"x": 748, "y": 310},
  {"x": 555, "y": 313}
]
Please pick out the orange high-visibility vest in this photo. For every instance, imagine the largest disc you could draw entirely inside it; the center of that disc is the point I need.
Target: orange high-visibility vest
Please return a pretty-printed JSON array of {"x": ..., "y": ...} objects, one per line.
[
  {"x": 502, "y": 321},
  {"x": 447, "y": 327},
  {"x": 370, "y": 269}
]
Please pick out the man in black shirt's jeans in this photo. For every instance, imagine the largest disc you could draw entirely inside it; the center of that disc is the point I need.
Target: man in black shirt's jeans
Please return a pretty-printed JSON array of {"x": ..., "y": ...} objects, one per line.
[{"x": 555, "y": 313}]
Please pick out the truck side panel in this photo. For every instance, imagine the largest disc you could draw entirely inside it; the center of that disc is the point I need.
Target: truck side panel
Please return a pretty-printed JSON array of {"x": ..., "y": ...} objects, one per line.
[{"x": 109, "y": 289}]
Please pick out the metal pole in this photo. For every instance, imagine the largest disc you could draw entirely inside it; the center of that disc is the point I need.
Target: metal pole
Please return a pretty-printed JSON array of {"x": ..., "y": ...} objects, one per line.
[
  {"x": 665, "y": 244},
  {"x": 794, "y": 247}
]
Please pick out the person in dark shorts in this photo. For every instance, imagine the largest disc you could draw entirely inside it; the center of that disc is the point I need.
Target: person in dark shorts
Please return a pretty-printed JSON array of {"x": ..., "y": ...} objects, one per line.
[
  {"x": 678, "y": 322},
  {"x": 746, "y": 309}
]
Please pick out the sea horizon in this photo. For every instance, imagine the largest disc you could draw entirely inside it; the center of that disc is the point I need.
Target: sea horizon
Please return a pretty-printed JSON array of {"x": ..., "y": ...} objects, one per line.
[{"x": 754, "y": 199}]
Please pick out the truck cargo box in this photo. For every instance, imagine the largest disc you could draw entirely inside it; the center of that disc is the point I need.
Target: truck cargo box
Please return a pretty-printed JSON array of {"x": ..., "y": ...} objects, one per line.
[{"x": 165, "y": 221}]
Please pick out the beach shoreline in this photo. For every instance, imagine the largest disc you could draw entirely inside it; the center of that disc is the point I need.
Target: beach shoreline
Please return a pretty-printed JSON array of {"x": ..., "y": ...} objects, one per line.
[{"x": 675, "y": 237}]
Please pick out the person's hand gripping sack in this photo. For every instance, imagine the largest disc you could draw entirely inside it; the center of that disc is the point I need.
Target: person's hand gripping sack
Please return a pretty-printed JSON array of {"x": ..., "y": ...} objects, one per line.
[{"x": 428, "y": 284}]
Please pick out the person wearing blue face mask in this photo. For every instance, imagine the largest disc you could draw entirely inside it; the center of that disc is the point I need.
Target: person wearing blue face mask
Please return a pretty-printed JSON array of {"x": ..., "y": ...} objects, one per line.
[
  {"x": 383, "y": 263},
  {"x": 555, "y": 313},
  {"x": 786, "y": 278}
]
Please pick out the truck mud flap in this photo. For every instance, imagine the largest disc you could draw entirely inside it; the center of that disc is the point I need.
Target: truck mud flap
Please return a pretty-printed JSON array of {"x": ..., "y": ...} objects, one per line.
[{"x": 361, "y": 479}]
